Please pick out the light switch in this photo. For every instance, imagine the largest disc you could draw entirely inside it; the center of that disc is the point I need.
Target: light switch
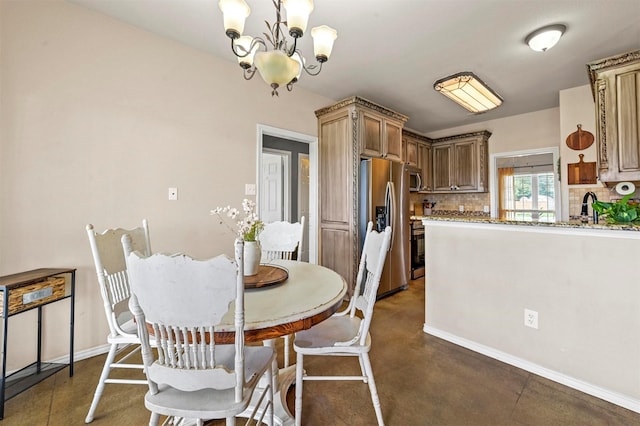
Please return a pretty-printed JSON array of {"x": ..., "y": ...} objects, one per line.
[
  {"x": 249, "y": 189},
  {"x": 173, "y": 194}
]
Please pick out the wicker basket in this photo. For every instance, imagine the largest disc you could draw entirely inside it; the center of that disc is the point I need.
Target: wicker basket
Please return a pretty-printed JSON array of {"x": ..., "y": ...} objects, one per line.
[{"x": 16, "y": 295}]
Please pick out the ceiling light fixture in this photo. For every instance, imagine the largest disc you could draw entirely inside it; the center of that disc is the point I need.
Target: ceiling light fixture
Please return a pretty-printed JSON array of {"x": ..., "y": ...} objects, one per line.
[
  {"x": 545, "y": 38},
  {"x": 282, "y": 65},
  {"x": 467, "y": 90}
]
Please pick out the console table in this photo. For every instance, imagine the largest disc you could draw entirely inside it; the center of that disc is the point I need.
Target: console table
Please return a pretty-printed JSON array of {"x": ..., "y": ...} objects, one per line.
[{"x": 23, "y": 292}]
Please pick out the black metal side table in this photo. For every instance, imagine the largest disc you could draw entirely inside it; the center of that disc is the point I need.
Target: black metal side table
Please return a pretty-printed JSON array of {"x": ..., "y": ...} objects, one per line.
[{"x": 23, "y": 292}]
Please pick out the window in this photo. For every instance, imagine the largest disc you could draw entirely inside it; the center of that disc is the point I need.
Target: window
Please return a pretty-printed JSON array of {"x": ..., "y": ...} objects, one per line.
[
  {"x": 532, "y": 198},
  {"x": 526, "y": 188}
]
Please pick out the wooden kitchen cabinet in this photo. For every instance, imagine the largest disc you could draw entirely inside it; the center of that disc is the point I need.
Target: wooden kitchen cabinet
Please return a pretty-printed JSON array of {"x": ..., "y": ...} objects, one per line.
[
  {"x": 425, "y": 161},
  {"x": 442, "y": 167},
  {"x": 381, "y": 136},
  {"x": 460, "y": 163},
  {"x": 410, "y": 150},
  {"x": 348, "y": 130},
  {"x": 616, "y": 89},
  {"x": 422, "y": 156}
]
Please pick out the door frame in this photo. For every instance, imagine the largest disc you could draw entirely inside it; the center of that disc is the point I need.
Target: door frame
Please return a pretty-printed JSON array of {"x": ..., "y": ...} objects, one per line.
[
  {"x": 493, "y": 176},
  {"x": 261, "y": 130}
]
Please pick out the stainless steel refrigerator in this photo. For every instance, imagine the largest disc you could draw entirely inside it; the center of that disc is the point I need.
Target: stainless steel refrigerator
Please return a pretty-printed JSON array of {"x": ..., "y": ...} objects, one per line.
[{"x": 384, "y": 200}]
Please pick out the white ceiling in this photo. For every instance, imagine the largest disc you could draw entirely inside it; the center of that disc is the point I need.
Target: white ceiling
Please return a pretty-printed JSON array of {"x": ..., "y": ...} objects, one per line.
[{"x": 392, "y": 51}]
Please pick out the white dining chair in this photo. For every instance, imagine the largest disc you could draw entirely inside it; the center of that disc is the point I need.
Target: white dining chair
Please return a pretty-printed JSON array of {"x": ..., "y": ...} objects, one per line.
[
  {"x": 344, "y": 334},
  {"x": 182, "y": 301},
  {"x": 282, "y": 240},
  {"x": 110, "y": 266}
]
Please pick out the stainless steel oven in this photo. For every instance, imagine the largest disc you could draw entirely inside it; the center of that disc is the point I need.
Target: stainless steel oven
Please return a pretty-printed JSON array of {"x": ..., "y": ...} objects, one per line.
[{"x": 417, "y": 249}]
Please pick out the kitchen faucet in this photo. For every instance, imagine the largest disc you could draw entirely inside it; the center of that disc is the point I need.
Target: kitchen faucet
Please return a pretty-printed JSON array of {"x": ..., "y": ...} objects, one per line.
[{"x": 584, "y": 214}]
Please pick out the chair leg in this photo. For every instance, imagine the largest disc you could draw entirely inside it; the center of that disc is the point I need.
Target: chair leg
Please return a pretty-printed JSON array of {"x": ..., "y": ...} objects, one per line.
[
  {"x": 230, "y": 421},
  {"x": 287, "y": 340},
  {"x": 372, "y": 388},
  {"x": 362, "y": 369},
  {"x": 299, "y": 384},
  {"x": 154, "y": 420},
  {"x": 100, "y": 388},
  {"x": 269, "y": 414}
]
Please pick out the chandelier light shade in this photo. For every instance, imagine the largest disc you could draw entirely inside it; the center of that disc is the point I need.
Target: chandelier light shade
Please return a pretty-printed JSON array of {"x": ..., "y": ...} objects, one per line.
[
  {"x": 278, "y": 63},
  {"x": 468, "y": 91},
  {"x": 276, "y": 67},
  {"x": 235, "y": 12},
  {"x": 323, "y": 38},
  {"x": 244, "y": 44},
  {"x": 545, "y": 38},
  {"x": 298, "y": 12}
]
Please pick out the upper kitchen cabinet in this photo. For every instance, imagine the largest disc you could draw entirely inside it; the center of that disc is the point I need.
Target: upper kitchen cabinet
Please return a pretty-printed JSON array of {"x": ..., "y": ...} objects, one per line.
[
  {"x": 347, "y": 130},
  {"x": 460, "y": 163},
  {"x": 381, "y": 132},
  {"x": 616, "y": 88},
  {"x": 421, "y": 158},
  {"x": 410, "y": 150}
]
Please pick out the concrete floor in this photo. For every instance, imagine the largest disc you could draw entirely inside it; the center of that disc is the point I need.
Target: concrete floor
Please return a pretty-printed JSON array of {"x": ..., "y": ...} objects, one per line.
[{"x": 421, "y": 380}]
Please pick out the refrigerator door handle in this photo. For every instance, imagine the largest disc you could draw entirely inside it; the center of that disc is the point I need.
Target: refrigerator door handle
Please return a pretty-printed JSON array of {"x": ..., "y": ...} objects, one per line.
[
  {"x": 387, "y": 205},
  {"x": 391, "y": 206}
]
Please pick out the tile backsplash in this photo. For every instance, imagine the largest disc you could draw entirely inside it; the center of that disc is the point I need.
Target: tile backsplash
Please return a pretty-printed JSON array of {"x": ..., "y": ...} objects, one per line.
[
  {"x": 475, "y": 202},
  {"x": 472, "y": 202},
  {"x": 602, "y": 193}
]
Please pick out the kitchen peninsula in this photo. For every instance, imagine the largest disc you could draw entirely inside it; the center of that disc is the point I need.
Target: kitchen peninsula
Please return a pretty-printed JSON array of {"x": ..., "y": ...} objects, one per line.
[{"x": 580, "y": 281}]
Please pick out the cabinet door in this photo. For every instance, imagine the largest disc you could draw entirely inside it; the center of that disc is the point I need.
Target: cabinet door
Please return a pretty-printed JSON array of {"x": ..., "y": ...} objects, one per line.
[
  {"x": 466, "y": 163},
  {"x": 617, "y": 95},
  {"x": 442, "y": 168},
  {"x": 335, "y": 172},
  {"x": 371, "y": 142},
  {"x": 424, "y": 161},
  {"x": 628, "y": 122},
  {"x": 411, "y": 151},
  {"x": 392, "y": 142}
]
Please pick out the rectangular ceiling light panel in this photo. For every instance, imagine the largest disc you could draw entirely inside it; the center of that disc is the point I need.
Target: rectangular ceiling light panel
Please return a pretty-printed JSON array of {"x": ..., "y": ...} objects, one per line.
[{"x": 467, "y": 90}]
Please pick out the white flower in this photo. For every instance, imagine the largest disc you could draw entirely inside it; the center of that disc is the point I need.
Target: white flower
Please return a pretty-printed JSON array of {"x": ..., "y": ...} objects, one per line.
[{"x": 249, "y": 226}]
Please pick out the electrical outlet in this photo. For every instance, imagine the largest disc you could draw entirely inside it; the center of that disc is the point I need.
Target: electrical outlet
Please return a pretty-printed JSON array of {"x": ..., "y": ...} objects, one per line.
[
  {"x": 531, "y": 318},
  {"x": 173, "y": 194}
]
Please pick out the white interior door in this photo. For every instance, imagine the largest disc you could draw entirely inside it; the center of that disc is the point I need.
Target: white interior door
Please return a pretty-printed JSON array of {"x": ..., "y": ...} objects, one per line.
[{"x": 271, "y": 188}]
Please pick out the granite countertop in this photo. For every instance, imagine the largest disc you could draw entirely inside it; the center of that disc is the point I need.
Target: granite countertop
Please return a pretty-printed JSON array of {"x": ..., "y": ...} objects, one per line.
[{"x": 570, "y": 224}]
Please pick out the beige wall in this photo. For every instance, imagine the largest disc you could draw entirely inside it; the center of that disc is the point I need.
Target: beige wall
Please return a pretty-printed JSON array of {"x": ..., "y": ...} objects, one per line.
[
  {"x": 97, "y": 120},
  {"x": 539, "y": 129}
]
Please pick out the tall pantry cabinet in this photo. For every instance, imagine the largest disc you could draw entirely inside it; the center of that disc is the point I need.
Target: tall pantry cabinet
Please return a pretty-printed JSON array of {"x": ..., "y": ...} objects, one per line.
[{"x": 348, "y": 130}]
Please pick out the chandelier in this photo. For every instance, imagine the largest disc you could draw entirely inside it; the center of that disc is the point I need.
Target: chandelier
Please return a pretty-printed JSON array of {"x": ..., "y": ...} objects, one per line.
[{"x": 277, "y": 63}]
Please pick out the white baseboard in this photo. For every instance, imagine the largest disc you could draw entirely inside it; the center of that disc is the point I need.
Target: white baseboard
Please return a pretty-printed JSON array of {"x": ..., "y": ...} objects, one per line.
[
  {"x": 588, "y": 388},
  {"x": 77, "y": 356},
  {"x": 87, "y": 353}
]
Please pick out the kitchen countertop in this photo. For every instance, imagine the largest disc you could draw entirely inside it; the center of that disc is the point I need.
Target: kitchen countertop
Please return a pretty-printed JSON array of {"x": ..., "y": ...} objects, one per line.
[{"x": 571, "y": 224}]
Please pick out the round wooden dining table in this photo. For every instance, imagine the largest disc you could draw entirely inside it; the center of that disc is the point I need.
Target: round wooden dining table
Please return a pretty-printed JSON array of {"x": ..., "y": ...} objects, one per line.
[{"x": 310, "y": 294}]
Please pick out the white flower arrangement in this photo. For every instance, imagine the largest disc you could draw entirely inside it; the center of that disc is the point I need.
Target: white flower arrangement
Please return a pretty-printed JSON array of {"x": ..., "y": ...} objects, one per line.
[{"x": 248, "y": 227}]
